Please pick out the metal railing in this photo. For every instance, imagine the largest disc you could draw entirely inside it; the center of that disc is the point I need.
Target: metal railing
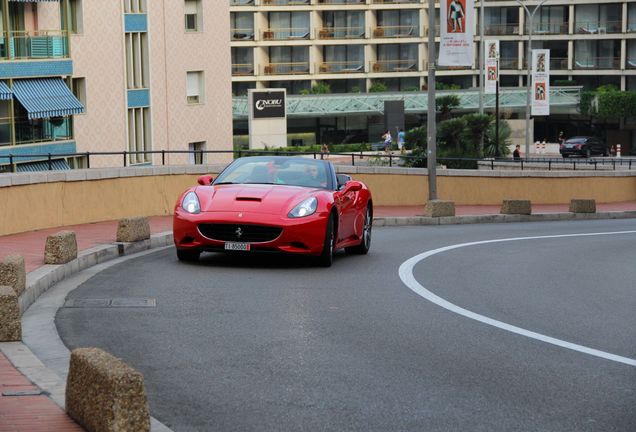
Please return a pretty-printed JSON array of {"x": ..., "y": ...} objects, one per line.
[
  {"x": 286, "y": 33},
  {"x": 396, "y": 31},
  {"x": 501, "y": 29},
  {"x": 379, "y": 158},
  {"x": 351, "y": 32},
  {"x": 341, "y": 67},
  {"x": 239, "y": 34},
  {"x": 394, "y": 65},
  {"x": 242, "y": 69},
  {"x": 597, "y": 27},
  {"x": 35, "y": 131},
  {"x": 286, "y": 68},
  {"x": 34, "y": 44}
]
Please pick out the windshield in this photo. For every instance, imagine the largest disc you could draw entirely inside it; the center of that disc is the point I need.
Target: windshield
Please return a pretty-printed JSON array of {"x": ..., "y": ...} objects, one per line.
[
  {"x": 277, "y": 170},
  {"x": 576, "y": 140}
]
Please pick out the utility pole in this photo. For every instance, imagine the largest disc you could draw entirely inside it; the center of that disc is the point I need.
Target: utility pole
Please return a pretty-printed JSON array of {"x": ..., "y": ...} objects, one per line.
[
  {"x": 482, "y": 78},
  {"x": 529, "y": 64},
  {"x": 431, "y": 160}
]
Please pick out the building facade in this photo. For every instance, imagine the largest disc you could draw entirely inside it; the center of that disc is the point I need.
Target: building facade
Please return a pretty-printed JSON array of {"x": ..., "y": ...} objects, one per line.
[
  {"x": 351, "y": 44},
  {"x": 134, "y": 77}
]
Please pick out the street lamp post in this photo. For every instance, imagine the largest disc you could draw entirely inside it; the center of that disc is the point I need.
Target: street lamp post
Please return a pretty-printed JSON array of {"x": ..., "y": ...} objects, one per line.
[
  {"x": 529, "y": 64},
  {"x": 431, "y": 147}
]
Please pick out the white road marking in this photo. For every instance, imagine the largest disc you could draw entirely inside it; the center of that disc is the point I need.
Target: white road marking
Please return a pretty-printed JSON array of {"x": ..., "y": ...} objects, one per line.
[{"x": 406, "y": 274}]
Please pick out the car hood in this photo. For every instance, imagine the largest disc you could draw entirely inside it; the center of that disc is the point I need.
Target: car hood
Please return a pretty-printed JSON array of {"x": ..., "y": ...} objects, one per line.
[{"x": 270, "y": 199}]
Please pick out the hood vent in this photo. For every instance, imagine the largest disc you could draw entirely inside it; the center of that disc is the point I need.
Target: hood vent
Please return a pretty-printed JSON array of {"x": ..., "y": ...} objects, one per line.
[{"x": 255, "y": 199}]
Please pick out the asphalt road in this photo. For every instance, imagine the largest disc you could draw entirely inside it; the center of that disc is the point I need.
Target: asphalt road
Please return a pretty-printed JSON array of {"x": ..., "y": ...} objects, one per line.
[{"x": 261, "y": 343}]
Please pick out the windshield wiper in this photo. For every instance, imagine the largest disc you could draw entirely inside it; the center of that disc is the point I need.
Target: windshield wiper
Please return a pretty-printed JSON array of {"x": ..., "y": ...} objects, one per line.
[{"x": 225, "y": 182}]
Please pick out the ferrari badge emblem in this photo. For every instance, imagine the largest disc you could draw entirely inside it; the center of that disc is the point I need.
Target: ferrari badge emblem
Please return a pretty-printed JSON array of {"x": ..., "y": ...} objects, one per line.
[{"x": 239, "y": 232}]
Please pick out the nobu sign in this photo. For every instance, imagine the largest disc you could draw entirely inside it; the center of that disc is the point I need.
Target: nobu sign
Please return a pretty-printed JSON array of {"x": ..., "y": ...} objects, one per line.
[{"x": 268, "y": 104}]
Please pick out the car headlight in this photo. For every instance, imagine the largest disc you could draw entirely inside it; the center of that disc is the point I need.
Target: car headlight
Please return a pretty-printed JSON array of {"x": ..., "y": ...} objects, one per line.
[
  {"x": 190, "y": 203},
  {"x": 305, "y": 208}
]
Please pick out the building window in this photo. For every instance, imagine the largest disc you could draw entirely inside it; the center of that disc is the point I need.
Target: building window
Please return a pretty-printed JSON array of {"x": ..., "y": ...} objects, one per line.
[
  {"x": 196, "y": 156},
  {"x": 76, "y": 17},
  {"x": 137, "y": 60},
  {"x": 135, "y": 6},
  {"x": 193, "y": 15},
  {"x": 78, "y": 85},
  {"x": 139, "y": 135},
  {"x": 195, "y": 86}
]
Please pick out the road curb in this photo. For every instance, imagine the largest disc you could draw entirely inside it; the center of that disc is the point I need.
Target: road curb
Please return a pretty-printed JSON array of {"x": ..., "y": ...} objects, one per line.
[{"x": 498, "y": 218}]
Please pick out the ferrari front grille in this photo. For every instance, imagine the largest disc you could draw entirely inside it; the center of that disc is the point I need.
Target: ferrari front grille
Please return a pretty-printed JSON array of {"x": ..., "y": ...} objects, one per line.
[{"x": 240, "y": 233}]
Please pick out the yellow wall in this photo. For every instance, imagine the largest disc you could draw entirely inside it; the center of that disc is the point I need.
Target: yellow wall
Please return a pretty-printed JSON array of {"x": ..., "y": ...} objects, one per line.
[{"x": 55, "y": 204}]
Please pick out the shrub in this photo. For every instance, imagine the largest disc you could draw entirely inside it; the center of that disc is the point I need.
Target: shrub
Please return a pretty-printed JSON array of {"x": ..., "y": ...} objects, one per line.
[{"x": 377, "y": 87}]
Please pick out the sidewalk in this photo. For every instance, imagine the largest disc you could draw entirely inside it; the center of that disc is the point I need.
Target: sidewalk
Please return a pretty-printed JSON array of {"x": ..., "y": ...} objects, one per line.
[{"x": 40, "y": 413}]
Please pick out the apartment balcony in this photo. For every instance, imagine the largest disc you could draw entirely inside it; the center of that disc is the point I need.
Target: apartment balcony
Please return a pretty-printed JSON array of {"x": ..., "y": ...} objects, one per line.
[
  {"x": 35, "y": 44},
  {"x": 36, "y": 131},
  {"x": 593, "y": 63},
  {"x": 242, "y": 34},
  {"x": 631, "y": 63},
  {"x": 558, "y": 63},
  {"x": 242, "y": 69},
  {"x": 394, "y": 66},
  {"x": 587, "y": 27},
  {"x": 286, "y": 34},
  {"x": 242, "y": 2},
  {"x": 395, "y": 1},
  {"x": 341, "y": 67},
  {"x": 553, "y": 28},
  {"x": 285, "y": 2},
  {"x": 395, "y": 31},
  {"x": 341, "y": 33},
  {"x": 341, "y": 2},
  {"x": 296, "y": 68},
  {"x": 501, "y": 29},
  {"x": 509, "y": 63}
]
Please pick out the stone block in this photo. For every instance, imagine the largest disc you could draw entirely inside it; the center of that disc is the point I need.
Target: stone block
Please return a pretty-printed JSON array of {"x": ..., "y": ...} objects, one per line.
[
  {"x": 133, "y": 229},
  {"x": 60, "y": 248},
  {"x": 10, "y": 324},
  {"x": 13, "y": 273},
  {"x": 583, "y": 206},
  {"x": 439, "y": 208},
  {"x": 516, "y": 207},
  {"x": 105, "y": 394}
]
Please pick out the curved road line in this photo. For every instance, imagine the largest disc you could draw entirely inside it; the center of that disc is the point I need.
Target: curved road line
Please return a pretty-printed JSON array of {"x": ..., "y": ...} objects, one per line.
[{"x": 406, "y": 274}]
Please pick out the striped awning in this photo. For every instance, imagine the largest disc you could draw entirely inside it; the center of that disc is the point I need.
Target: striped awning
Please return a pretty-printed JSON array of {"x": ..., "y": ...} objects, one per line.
[
  {"x": 46, "y": 97},
  {"x": 56, "y": 165},
  {"x": 5, "y": 91}
]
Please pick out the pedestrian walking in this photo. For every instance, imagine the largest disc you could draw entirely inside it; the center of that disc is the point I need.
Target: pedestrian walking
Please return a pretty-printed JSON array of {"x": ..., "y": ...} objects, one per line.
[
  {"x": 401, "y": 136},
  {"x": 388, "y": 140}
]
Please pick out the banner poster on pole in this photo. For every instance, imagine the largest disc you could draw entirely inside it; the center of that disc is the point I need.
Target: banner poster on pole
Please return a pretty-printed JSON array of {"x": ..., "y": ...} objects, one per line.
[
  {"x": 456, "y": 33},
  {"x": 492, "y": 66},
  {"x": 540, "y": 82}
]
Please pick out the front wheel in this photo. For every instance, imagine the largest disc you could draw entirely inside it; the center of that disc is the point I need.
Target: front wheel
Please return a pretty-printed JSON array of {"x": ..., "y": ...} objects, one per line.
[
  {"x": 188, "y": 255},
  {"x": 326, "y": 257},
  {"x": 365, "y": 241}
]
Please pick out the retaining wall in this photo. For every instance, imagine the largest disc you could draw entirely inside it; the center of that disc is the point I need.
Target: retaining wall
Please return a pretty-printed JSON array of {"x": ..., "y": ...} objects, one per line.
[{"x": 44, "y": 200}]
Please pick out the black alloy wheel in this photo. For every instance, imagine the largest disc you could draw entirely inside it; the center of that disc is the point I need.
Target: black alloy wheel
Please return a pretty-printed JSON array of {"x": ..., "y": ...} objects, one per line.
[
  {"x": 326, "y": 257},
  {"x": 365, "y": 241}
]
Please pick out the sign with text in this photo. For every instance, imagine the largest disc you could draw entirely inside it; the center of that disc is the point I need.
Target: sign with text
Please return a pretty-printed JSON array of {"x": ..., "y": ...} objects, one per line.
[
  {"x": 456, "y": 33},
  {"x": 492, "y": 66},
  {"x": 267, "y": 104},
  {"x": 540, "y": 82}
]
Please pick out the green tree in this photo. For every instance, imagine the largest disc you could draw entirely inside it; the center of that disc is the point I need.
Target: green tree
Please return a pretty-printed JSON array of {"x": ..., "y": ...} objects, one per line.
[
  {"x": 377, "y": 87},
  {"x": 445, "y": 104},
  {"x": 450, "y": 133},
  {"x": 321, "y": 88},
  {"x": 474, "y": 132},
  {"x": 490, "y": 143}
]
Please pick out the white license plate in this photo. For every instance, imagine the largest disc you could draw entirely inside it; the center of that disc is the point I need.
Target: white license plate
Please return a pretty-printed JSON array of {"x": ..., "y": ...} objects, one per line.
[{"x": 237, "y": 246}]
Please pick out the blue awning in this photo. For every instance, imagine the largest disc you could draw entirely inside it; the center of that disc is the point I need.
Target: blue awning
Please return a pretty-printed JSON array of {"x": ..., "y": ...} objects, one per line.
[
  {"x": 46, "y": 97},
  {"x": 56, "y": 165},
  {"x": 5, "y": 91}
]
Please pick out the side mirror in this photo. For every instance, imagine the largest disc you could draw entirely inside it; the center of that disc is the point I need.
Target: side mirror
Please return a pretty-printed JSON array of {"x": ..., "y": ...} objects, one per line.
[
  {"x": 205, "y": 180},
  {"x": 342, "y": 180},
  {"x": 353, "y": 186}
]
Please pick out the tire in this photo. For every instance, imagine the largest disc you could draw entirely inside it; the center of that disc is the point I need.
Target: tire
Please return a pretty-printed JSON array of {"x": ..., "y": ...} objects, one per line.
[
  {"x": 365, "y": 242},
  {"x": 326, "y": 257},
  {"x": 188, "y": 255}
]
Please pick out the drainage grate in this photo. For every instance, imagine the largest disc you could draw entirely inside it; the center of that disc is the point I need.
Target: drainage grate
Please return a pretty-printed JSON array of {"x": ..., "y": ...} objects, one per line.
[{"x": 111, "y": 303}]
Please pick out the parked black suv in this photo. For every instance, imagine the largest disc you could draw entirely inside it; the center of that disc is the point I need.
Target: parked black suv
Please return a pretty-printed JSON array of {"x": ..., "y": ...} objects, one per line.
[{"x": 584, "y": 146}]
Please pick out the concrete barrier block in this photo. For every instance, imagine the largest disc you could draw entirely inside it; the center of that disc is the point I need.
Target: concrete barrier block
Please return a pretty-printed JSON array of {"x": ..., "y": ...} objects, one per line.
[
  {"x": 133, "y": 229},
  {"x": 60, "y": 248},
  {"x": 583, "y": 206},
  {"x": 10, "y": 324},
  {"x": 439, "y": 208},
  {"x": 105, "y": 394},
  {"x": 13, "y": 273},
  {"x": 516, "y": 207}
]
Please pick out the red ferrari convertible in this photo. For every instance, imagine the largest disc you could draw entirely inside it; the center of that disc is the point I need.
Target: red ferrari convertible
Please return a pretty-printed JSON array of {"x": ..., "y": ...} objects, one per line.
[{"x": 277, "y": 204}]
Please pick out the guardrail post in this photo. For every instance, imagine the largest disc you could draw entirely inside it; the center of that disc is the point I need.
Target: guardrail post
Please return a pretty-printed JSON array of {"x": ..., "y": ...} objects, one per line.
[
  {"x": 574, "y": 166},
  {"x": 614, "y": 163},
  {"x": 353, "y": 159},
  {"x": 124, "y": 158},
  {"x": 314, "y": 155},
  {"x": 88, "y": 159},
  {"x": 492, "y": 164},
  {"x": 630, "y": 164},
  {"x": 550, "y": 165},
  {"x": 390, "y": 160},
  {"x": 595, "y": 165},
  {"x": 163, "y": 157},
  {"x": 50, "y": 163},
  {"x": 521, "y": 164}
]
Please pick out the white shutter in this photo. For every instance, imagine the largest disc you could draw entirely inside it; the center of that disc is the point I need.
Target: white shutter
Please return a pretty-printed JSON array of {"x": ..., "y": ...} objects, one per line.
[
  {"x": 191, "y": 7},
  {"x": 193, "y": 84}
]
